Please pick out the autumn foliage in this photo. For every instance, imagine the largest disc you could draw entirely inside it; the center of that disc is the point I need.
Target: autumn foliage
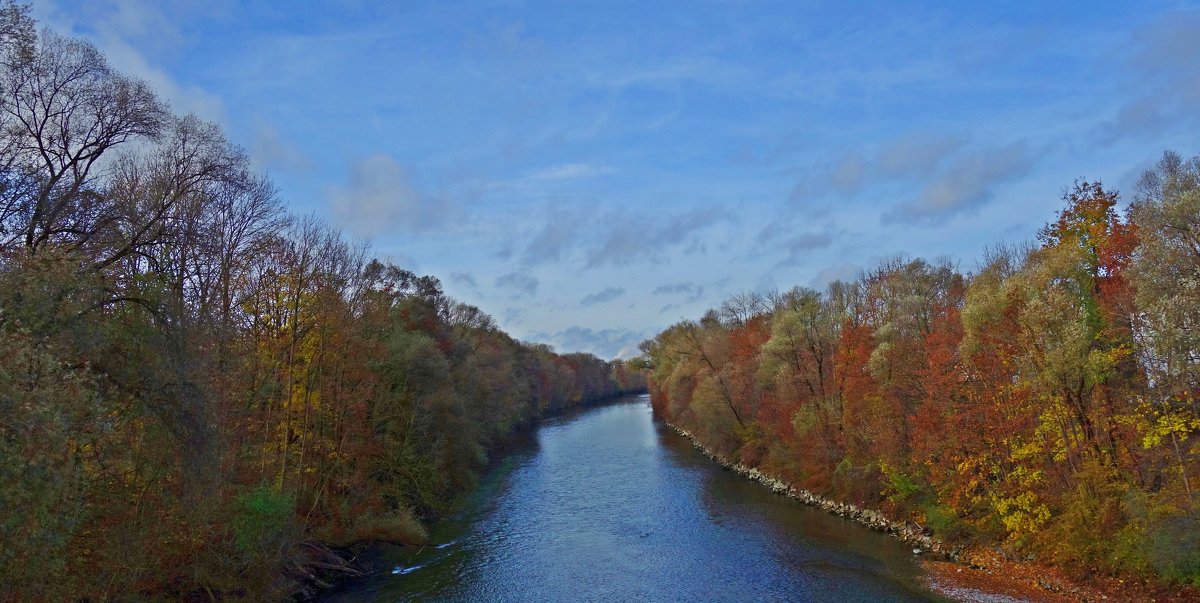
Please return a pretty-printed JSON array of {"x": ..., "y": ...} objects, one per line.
[
  {"x": 199, "y": 393},
  {"x": 1045, "y": 403}
]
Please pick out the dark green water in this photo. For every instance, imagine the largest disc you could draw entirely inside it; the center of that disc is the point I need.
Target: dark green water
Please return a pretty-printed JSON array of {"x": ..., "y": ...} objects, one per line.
[{"x": 609, "y": 505}]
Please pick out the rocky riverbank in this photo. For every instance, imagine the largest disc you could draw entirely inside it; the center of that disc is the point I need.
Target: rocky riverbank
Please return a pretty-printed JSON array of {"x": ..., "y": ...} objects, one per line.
[
  {"x": 976, "y": 575},
  {"x": 921, "y": 541}
]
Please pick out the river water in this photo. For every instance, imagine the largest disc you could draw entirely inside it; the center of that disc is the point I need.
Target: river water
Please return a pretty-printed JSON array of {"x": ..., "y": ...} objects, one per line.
[{"x": 608, "y": 504}]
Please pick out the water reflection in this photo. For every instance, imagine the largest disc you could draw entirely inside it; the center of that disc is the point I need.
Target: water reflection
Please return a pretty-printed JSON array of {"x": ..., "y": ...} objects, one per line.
[{"x": 606, "y": 505}]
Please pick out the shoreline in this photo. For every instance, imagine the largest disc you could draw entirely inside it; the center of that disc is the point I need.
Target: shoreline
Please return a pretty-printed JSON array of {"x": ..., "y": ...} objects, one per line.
[
  {"x": 325, "y": 576},
  {"x": 954, "y": 571},
  {"x": 942, "y": 564},
  {"x": 870, "y": 518}
]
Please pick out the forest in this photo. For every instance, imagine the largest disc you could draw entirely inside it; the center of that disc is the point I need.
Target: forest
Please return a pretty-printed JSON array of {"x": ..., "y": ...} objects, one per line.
[
  {"x": 207, "y": 396},
  {"x": 202, "y": 395},
  {"x": 1046, "y": 403}
]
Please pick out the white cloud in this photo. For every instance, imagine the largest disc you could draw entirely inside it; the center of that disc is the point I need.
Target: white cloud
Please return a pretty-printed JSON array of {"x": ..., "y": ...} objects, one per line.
[
  {"x": 380, "y": 197},
  {"x": 605, "y": 343},
  {"x": 269, "y": 150},
  {"x": 905, "y": 157},
  {"x": 131, "y": 34},
  {"x": 917, "y": 154},
  {"x": 570, "y": 171},
  {"x": 967, "y": 183}
]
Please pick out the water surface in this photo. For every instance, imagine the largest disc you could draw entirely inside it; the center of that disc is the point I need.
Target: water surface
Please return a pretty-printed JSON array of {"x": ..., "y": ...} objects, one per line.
[{"x": 608, "y": 504}]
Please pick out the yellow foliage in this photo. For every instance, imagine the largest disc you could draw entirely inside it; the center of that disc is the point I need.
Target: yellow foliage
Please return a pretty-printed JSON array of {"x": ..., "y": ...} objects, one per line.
[
  {"x": 1022, "y": 514},
  {"x": 1167, "y": 423}
]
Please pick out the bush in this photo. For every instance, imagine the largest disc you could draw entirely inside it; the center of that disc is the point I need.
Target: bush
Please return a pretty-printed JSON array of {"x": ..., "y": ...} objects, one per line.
[
  {"x": 262, "y": 521},
  {"x": 401, "y": 528},
  {"x": 900, "y": 486},
  {"x": 1174, "y": 550},
  {"x": 944, "y": 522}
]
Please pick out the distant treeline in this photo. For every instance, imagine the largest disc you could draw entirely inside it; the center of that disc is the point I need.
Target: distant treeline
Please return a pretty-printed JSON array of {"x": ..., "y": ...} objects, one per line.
[
  {"x": 198, "y": 391},
  {"x": 1048, "y": 403}
]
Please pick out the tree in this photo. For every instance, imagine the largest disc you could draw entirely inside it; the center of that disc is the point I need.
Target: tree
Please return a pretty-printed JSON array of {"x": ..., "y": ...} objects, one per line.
[
  {"x": 798, "y": 365},
  {"x": 1166, "y": 272},
  {"x": 62, "y": 109}
]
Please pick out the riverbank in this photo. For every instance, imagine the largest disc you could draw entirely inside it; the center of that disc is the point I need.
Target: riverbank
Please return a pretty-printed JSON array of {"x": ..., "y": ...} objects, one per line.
[
  {"x": 606, "y": 506},
  {"x": 970, "y": 575},
  {"x": 349, "y": 561},
  {"x": 923, "y": 543},
  {"x": 986, "y": 577}
]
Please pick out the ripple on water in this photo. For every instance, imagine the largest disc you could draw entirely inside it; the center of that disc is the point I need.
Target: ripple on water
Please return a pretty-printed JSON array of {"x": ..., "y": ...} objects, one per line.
[
  {"x": 606, "y": 506},
  {"x": 400, "y": 570}
]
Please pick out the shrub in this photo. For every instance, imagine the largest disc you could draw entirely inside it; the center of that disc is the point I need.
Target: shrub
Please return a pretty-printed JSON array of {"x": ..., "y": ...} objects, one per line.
[{"x": 262, "y": 521}]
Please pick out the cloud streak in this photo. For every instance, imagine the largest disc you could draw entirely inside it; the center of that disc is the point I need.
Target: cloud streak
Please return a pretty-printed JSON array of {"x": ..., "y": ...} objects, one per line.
[
  {"x": 131, "y": 34},
  {"x": 380, "y": 197},
  {"x": 518, "y": 283},
  {"x": 624, "y": 244},
  {"x": 907, "y": 157},
  {"x": 1162, "y": 78},
  {"x": 966, "y": 184},
  {"x": 570, "y": 171},
  {"x": 558, "y": 234},
  {"x": 606, "y": 295},
  {"x": 270, "y": 151},
  {"x": 799, "y": 246},
  {"x": 605, "y": 343},
  {"x": 466, "y": 281}
]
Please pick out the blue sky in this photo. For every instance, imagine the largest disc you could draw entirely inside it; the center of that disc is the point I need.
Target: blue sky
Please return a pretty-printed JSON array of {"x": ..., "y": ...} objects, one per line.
[{"x": 591, "y": 172}]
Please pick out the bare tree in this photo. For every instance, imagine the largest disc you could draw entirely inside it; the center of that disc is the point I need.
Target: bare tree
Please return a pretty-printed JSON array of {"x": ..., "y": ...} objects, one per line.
[
  {"x": 61, "y": 110},
  {"x": 739, "y": 309}
]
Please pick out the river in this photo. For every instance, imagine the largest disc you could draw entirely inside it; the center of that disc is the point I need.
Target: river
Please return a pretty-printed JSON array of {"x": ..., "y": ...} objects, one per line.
[{"x": 608, "y": 504}]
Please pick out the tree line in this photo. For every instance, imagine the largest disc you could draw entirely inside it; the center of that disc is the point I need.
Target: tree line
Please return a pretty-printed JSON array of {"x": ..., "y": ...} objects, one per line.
[
  {"x": 1047, "y": 403},
  {"x": 199, "y": 391}
]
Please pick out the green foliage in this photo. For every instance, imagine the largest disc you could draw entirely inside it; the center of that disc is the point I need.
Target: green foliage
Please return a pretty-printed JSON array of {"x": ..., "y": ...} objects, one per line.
[
  {"x": 43, "y": 404},
  {"x": 262, "y": 520},
  {"x": 899, "y": 486},
  {"x": 944, "y": 522},
  {"x": 1174, "y": 550},
  {"x": 170, "y": 336},
  {"x": 844, "y": 466},
  {"x": 1089, "y": 518},
  {"x": 1157, "y": 541},
  {"x": 1044, "y": 403}
]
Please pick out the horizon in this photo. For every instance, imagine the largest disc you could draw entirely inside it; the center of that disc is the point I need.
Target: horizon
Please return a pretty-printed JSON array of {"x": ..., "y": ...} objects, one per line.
[{"x": 613, "y": 171}]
